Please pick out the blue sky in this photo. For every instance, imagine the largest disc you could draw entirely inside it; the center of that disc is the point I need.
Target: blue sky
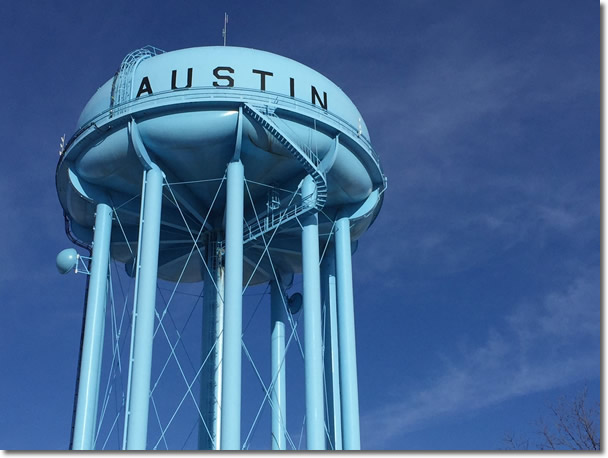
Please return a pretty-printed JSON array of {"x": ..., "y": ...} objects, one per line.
[{"x": 478, "y": 287}]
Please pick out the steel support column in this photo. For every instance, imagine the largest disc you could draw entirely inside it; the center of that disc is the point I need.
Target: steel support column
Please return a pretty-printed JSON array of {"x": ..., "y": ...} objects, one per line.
[
  {"x": 278, "y": 321},
  {"x": 346, "y": 333},
  {"x": 212, "y": 344},
  {"x": 313, "y": 351},
  {"x": 138, "y": 401},
  {"x": 233, "y": 309},
  {"x": 92, "y": 345},
  {"x": 331, "y": 349}
]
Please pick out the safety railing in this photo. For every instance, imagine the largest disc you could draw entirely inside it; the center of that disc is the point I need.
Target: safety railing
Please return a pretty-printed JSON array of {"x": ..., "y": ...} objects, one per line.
[{"x": 236, "y": 95}]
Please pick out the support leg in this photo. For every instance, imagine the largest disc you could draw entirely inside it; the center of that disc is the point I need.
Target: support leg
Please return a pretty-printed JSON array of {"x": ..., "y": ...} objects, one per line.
[
  {"x": 313, "y": 351},
  {"x": 278, "y": 321},
  {"x": 346, "y": 332},
  {"x": 332, "y": 368},
  {"x": 143, "y": 328},
  {"x": 213, "y": 325},
  {"x": 233, "y": 309},
  {"x": 92, "y": 346}
]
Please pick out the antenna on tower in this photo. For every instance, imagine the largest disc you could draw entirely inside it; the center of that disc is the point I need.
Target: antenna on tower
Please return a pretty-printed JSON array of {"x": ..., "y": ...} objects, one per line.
[
  {"x": 225, "y": 29},
  {"x": 62, "y": 145}
]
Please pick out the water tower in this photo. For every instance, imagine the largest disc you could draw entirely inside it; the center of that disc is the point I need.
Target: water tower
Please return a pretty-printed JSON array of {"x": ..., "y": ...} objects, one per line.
[{"x": 221, "y": 168}]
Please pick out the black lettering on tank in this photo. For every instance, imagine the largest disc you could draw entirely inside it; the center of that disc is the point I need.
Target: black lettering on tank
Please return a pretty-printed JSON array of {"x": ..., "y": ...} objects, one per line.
[
  {"x": 174, "y": 80},
  {"x": 228, "y": 78},
  {"x": 263, "y": 76},
  {"x": 144, "y": 87},
  {"x": 315, "y": 96}
]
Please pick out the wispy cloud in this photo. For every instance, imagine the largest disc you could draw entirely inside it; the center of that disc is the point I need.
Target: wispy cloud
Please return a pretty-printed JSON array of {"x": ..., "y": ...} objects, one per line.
[
  {"x": 449, "y": 233},
  {"x": 457, "y": 133},
  {"x": 540, "y": 346}
]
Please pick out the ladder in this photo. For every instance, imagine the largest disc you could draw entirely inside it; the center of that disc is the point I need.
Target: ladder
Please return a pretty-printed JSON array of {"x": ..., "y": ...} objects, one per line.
[
  {"x": 309, "y": 161},
  {"x": 122, "y": 85}
]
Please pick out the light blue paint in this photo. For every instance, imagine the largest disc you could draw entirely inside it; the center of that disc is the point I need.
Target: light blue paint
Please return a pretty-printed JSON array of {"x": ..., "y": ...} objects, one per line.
[
  {"x": 313, "y": 351},
  {"x": 331, "y": 349},
  {"x": 203, "y": 61},
  {"x": 346, "y": 333},
  {"x": 67, "y": 260},
  {"x": 147, "y": 266},
  {"x": 278, "y": 320},
  {"x": 212, "y": 346},
  {"x": 169, "y": 122},
  {"x": 196, "y": 131},
  {"x": 233, "y": 309},
  {"x": 92, "y": 345}
]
